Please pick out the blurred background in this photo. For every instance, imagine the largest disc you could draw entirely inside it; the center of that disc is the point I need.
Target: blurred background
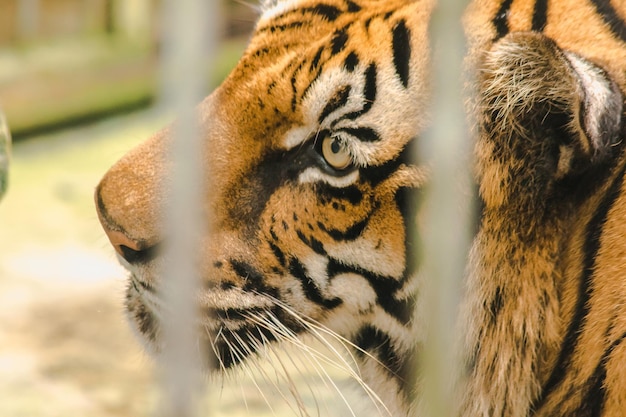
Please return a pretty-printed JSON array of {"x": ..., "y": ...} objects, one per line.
[{"x": 78, "y": 86}]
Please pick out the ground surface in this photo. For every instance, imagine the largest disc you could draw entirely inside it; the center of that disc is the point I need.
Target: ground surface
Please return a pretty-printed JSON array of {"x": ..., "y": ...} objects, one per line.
[{"x": 65, "y": 347}]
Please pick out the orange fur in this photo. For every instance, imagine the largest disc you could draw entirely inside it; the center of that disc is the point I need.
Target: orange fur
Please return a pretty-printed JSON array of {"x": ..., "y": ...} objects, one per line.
[
  {"x": 544, "y": 307},
  {"x": 293, "y": 237}
]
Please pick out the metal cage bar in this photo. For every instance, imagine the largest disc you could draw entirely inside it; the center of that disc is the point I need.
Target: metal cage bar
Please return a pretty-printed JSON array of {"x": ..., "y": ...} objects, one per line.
[
  {"x": 190, "y": 37},
  {"x": 447, "y": 211}
]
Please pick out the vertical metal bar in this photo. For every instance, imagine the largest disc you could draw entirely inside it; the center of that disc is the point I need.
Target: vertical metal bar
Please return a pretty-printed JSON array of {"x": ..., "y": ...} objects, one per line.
[
  {"x": 190, "y": 33},
  {"x": 132, "y": 19},
  {"x": 27, "y": 19},
  {"x": 5, "y": 153},
  {"x": 447, "y": 209}
]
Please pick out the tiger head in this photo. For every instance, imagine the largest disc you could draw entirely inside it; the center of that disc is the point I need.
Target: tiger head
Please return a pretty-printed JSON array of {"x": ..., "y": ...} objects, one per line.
[{"x": 311, "y": 182}]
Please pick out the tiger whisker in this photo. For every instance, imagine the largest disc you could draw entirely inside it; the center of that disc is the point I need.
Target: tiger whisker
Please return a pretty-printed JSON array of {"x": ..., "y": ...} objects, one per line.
[
  {"x": 260, "y": 347},
  {"x": 285, "y": 374},
  {"x": 284, "y": 334},
  {"x": 312, "y": 324},
  {"x": 319, "y": 331},
  {"x": 213, "y": 344},
  {"x": 246, "y": 365},
  {"x": 300, "y": 367},
  {"x": 287, "y": 335},
  {"x": 267, "y": 348}
]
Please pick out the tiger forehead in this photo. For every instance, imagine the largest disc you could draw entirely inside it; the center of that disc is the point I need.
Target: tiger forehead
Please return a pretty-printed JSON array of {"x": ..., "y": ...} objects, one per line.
[{"x": 290, "y": 52}]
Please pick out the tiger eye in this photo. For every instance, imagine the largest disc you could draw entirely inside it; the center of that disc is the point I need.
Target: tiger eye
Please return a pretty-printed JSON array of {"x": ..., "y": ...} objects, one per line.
[{"x": 335, "y": 153}]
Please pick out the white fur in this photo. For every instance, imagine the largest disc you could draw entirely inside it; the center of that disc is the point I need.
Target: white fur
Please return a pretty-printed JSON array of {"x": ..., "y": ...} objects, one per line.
[
  {"x": 354, "y": 290},
  {"x": 600, "y": 98},
  {"x": 272, "y": 8},
  {"x": 363, "y": 252},
  {"x": 395, "y": 124},
  {"x": 314, "y": 174}
]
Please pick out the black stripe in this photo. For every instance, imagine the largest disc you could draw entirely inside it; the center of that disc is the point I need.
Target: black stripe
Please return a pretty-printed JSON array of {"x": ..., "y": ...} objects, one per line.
[
  {"x": 351, "y": 61},
  {"x": 353, "y": 7},
  {"x": 146, "y": 322},
  {"x": 331, "y": 13},
  {"x": 496, "y": 304},
  {"x": 313, "y": 80},
  {"x": 595, "y": 396},
  {"x": 262, "y": 51},
  {"x": 402, "y": 366},
  {"x": 401, "y": 44},
  {"x": 540, "y": 15},
  {"x": 375, "y": 341},
  {"x": 317, "y": 57},
  {"x": 585, "y": 289},
  {"x": 302, "y": 237},
  {"x": 272, "y": 232},
  {"x": 348, "y": 235},
  {"x": 384, "y": 287},
  {"x": 501, "y": 19},
  {"x": 376, "y": 174},
  {"x": 294, "y": 91},
  {"x": 407, "y": 199},
  {"x": 317, "y": 246},
  {"x": 364, "y": 134},
  {"x": 351, "y": 193},
  {"x": 282, "y": 28},
  {"x": 338, "y": 42},
  {"x": 254, "y": 281},
  {"x": 611, "y": 18},
  {"x": 339, "y": 99},
  {"x": 369, "y": 93},
  {"x": 278, "y": 253},
  {"x": 311, "y": 291},
  {"x": 370, "y": 338}
]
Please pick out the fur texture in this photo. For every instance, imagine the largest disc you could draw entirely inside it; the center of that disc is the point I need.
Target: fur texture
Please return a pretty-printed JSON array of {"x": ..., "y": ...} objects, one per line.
[
  {"x": 307, "y": 242},
  {"x": 301, "y": 244},
  {"x": 544, "y": 308}
]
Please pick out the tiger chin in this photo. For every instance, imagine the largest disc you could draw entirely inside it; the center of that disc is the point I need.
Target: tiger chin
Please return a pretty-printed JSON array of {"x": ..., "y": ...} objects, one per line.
[
  {"x": 309, "y": 142},
  {"x": 544, "y": 311}
]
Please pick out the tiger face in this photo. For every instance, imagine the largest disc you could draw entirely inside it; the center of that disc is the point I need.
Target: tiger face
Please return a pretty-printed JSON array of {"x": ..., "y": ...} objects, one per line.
[{"x": 307, "y": 149}]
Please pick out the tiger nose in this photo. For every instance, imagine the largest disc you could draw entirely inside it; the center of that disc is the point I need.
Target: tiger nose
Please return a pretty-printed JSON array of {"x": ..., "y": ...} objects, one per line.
[{"x": 133, "y": 250}]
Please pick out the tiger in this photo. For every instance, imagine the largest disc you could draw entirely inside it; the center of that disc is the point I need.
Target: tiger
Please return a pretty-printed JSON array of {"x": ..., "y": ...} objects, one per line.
[
  {"x": 309, "y": 144},
  {"x": 544, "y": 312}
]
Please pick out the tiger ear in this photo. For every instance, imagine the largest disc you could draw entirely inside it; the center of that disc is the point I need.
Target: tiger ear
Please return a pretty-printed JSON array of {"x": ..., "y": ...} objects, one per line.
[
  {"x": 601, "y": 105},
  {"x": 542, "y": 103}
]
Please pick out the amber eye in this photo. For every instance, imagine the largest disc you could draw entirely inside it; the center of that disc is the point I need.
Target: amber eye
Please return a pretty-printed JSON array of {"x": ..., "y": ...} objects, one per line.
[{"x": 335, "y": 153}]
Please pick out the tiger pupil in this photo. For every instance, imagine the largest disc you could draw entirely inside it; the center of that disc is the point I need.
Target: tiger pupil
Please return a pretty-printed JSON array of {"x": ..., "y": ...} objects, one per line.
[{"x": 335, "y": 147}]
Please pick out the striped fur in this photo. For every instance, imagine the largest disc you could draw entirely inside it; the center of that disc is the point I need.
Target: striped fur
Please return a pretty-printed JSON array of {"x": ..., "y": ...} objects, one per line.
[
  {"x": 300, "y": 245},
  {"x": 545, "y": 312}
]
